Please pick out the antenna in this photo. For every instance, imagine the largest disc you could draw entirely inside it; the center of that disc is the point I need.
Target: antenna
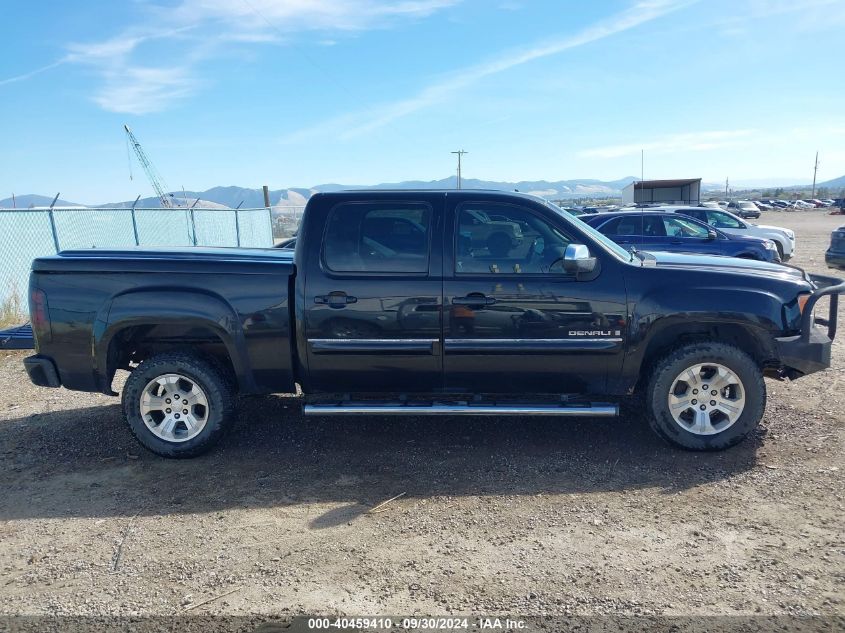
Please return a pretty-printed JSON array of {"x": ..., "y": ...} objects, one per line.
[
  {"x": 460, "y": 153},
  {"x": 815, "y": 171}
]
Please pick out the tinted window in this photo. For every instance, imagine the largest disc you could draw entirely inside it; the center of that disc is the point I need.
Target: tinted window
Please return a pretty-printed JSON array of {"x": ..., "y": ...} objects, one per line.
[
  {"x": 506, "y": 239},
  {"x": 680, "y": 227},
  {"x": 722, "y": 220},
  {"x": 653, "y": 226},
  {"x": 378, "y": 237},
  {"x": 625, "y": 225},
  {"x": 698, "y": 215}
]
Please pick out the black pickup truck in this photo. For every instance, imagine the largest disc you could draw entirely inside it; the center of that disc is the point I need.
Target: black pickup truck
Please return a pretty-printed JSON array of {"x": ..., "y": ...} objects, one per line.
[{"x": 423, "y": 303}]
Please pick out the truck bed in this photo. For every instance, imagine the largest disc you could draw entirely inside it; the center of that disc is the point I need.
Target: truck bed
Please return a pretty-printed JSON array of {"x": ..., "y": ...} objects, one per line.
[{"x": 112, "y": 307}]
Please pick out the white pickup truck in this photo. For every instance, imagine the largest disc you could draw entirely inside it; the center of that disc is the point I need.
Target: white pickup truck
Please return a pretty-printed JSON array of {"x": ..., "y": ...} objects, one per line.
[{"x": 725, "y": 221}]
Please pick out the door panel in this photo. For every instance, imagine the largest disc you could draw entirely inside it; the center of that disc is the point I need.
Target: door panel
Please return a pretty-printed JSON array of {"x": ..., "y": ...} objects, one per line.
[
  {"x": 515, "y": 322},
  {"x": 373, "y": 311}
]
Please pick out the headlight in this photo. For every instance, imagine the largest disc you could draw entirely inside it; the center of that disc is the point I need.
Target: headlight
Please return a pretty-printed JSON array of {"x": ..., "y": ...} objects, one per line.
[
  {"x": 769, "y": 244},
  {"x": 790, "y": 235}
]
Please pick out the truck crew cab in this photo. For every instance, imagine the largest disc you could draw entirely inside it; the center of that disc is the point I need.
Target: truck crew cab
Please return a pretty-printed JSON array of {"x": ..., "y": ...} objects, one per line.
[{"x": 392, "y": 303}]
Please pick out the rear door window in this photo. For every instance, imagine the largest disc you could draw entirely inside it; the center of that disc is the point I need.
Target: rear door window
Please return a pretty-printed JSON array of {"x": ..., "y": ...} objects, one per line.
[
  {"x": 378, "y": 237},
  {"x": 653, "y": 226},
  {"x": 624, "y": 226}
]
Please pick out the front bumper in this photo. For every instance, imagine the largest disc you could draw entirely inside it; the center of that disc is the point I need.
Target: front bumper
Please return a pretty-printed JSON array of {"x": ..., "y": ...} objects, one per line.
[
  {"x": 835, "y": 259},
  {"x": 809, "y": 351},
  {"x": 42, "y": 371}
]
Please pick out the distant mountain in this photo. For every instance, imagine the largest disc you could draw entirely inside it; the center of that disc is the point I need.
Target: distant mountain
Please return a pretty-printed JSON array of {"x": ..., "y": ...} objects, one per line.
[
  {"x": 836, "y": 183},
  {"x": 34, "y": 200},
  {"x": 231, "y": 197},
  {"x": 297, "y": 196}
]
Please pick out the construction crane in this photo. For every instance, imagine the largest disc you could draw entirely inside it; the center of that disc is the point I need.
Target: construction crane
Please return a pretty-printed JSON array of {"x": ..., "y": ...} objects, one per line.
[{"x": 152, "y": 173}]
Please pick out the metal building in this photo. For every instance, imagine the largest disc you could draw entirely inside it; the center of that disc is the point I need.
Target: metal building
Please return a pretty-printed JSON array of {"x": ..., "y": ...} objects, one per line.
[{"x": 682, "y": 191}]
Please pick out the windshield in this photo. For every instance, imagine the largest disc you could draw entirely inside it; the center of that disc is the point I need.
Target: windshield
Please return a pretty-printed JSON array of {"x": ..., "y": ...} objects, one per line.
[{"x": 610, "y": 246}]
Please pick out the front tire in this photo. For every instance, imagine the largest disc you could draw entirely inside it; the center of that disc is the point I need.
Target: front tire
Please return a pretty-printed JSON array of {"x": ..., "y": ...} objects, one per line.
[
  {"x": 178, "y": 404},
  {"x": 705, "y": 396}
]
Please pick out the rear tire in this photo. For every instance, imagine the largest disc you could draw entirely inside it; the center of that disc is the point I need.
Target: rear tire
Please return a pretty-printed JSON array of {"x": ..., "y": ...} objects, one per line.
[
  {"x": 178, "y": 404},
  {"x": 683, "y": 408}
]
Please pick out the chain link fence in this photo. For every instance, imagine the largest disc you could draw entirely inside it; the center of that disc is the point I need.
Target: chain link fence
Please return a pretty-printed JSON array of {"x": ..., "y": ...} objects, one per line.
[
  {"x": 286, "y": 221},
  {"x": 29, "y": 233}
]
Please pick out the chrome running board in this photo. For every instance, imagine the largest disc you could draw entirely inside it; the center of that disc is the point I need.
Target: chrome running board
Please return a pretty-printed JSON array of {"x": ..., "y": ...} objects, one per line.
[{"x": 593, "y": 410}]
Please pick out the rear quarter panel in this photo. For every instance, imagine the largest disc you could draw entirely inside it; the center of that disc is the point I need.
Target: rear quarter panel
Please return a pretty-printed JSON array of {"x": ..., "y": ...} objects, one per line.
[{"x": 248, "y": 311}]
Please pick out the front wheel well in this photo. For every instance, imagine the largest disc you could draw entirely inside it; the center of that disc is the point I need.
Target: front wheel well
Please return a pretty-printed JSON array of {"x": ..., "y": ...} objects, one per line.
[{"x": 679, "y": 334}]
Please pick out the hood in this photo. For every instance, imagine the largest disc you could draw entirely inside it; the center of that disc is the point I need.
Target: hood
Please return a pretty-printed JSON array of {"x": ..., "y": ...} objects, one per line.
[
  {"x": 718, "y": 263},
  {"x": 769, "y": 227}
]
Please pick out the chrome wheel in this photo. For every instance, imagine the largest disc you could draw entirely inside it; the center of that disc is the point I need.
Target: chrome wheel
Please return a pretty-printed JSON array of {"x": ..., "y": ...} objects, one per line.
[
  {"x": 174, "y": 407},
  {"x": 706, "y": 399}
]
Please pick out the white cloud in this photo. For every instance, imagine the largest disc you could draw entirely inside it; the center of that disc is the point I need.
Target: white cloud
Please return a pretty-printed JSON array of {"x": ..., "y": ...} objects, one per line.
[
  {"x": 298, "y": 15},
  {"x": 31, "y": 73},
  {"x": 350, "y": 126},
  {"x": 686, "y": 142},
  {"x": 202, "y": 28},
  {"x": 139, "y": 90}
]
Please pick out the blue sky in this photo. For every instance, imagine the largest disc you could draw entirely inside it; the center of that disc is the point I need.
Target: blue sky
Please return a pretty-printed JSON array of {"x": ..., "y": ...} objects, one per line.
[{"x": 303, "y": 92}]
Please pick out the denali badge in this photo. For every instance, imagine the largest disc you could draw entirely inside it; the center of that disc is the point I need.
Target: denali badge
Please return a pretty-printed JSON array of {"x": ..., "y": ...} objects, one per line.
[{"x": 595, "y": 333}]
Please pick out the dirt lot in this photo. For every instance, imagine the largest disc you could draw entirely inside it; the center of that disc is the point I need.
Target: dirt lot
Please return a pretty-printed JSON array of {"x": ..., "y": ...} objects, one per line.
[{"x": 509, "y": 516}]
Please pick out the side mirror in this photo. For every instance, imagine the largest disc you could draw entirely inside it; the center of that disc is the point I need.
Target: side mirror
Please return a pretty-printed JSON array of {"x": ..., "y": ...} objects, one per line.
[
  {"x": 577, "y": 259},
  {"x": 712, "y": 235}
]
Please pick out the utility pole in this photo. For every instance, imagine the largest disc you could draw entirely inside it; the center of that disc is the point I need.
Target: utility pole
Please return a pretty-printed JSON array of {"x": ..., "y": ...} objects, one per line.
[
  {"x": 726, "y": 187},
  {"x": 642, "y": 165},
  {"x": 460, "y": 153},
  {"x": 815, "y": 171},
  {"x": 266, "y": 190},
  {"x": 14, "y": 202}
]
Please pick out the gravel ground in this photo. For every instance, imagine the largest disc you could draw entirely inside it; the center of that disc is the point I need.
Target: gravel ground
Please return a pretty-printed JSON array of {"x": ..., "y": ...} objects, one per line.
[{"x": 508, "y": 516}]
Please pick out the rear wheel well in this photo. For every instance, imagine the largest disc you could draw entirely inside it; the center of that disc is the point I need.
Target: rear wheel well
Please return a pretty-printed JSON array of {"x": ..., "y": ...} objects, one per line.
[
  {"x": 135, "y": 344},
  {"x": 679, "y": 334}
]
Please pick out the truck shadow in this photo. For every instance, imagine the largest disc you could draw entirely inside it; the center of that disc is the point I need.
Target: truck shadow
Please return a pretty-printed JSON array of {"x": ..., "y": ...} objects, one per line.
[{"x": 85, "y": 462}]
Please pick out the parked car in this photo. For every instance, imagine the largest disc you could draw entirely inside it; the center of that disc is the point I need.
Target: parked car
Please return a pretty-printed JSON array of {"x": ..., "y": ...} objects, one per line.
[
  {"x": 666, "y": 231},
  {"x": 762, "y": 206},
  {"x": 566, "y": 323},
  {"x": 745, "y": 209},
  {"x": 712, "y": 204},
  {"x": 800, "y": 204},
  {"x": 784, "y": 239},
  {"x": 289, "y": 243},
  {"x": 835, "y": 255}
]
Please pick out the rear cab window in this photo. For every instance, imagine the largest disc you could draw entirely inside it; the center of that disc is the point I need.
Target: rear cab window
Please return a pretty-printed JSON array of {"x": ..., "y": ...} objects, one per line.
[{"x": 378, "y": 237}]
